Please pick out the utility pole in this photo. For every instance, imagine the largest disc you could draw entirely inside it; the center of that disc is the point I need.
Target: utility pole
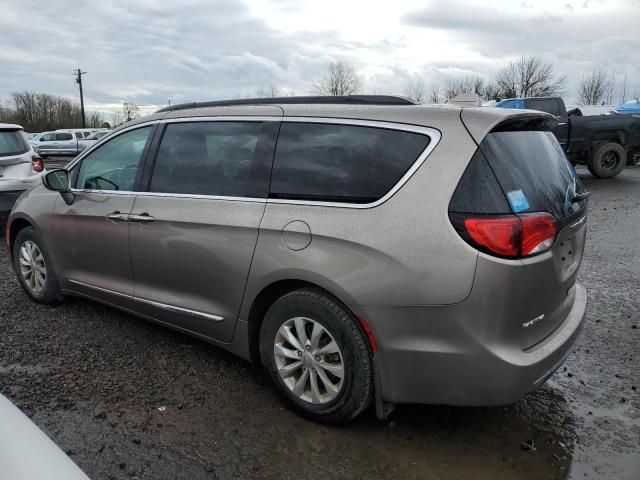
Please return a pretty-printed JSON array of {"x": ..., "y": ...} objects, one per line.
[{"x": 79, "y": 74}]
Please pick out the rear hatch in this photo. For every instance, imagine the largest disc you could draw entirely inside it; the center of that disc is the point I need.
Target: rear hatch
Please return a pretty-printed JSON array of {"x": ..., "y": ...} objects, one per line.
[
  {"x": 521, "y": 203},
  {"x": 13, "y": 161}
]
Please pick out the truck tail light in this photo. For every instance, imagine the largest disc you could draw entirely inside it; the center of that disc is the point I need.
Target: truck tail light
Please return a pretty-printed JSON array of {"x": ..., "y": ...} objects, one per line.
[{"x": 511, "y": 236}]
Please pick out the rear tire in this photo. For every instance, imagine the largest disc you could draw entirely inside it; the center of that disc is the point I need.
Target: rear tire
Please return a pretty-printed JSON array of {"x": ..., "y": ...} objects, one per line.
[
  {"x": 338, "y": 361},
  {"x": 607, "y": 160},
  {"x": 32, "y": 265}
]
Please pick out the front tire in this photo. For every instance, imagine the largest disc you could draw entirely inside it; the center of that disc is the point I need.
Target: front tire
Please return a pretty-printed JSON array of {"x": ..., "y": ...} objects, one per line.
[
  {"x": 607, "y": 160},
  {"x": 32, "y": 265},
  {"x": 315, "y": 353}
]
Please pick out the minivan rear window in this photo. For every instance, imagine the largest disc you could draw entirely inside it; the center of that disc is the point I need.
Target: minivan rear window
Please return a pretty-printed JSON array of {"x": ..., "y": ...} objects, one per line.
[
  {"x": 12, "y": 143},
  {"x": 533, "y": 171},
  {"x": 341, "y": 163}
]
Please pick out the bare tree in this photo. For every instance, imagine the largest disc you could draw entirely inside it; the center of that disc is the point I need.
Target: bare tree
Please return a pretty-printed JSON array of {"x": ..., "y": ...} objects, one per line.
[
  {"x": 116, "y": 119},
  {"x": 341, "y": 79},
  {"x": 491, "y": 91},
  {"x": 529, "y": 77},
  {"x": 624, "y": 88},
  {"x": 38, "y": 112},
  {"x": 434, "y": 95},
  {"x": 268, "y": 90},
  {"x": 416, "y": 91},
  {"x": 610, "y": 86},
  {"x": 95, "y": 120},
  {"x": 130, "y": 110},
  {"x": 474, "y": 84},
  {"x": 593, "y": 87}
]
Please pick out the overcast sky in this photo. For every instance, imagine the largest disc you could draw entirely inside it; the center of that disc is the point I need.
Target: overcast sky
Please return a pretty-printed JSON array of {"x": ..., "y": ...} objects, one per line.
[{"x": 147, "y": 51}]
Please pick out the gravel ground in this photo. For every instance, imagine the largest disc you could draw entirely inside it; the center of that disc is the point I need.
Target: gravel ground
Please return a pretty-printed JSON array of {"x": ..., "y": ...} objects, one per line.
[{"x": 128, "y": 399}]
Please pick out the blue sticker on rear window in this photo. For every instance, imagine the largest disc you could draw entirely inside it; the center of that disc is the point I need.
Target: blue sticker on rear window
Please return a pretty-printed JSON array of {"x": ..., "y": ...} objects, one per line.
[{"x": 518, "y": 200}]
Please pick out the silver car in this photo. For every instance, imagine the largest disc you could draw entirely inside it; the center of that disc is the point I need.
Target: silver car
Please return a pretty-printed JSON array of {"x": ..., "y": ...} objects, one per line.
[{"x": 363, "y": 249}]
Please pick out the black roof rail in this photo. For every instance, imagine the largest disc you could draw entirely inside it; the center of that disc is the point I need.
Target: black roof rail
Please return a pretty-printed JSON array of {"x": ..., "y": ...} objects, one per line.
[{"x": 328, "y": 99}]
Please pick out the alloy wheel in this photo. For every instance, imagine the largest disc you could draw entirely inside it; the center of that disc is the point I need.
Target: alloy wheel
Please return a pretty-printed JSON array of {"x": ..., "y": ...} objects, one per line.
[
  {"x": 32, "y": 266},
  {"x": 309, "y": 360},
  {"x": 609, "y": 160}
]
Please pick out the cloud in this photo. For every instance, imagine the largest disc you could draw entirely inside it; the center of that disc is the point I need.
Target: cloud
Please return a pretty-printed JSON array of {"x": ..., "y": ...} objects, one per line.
[
  {"x": 150, "y": 51},
  {"x": 574, "y": 43}
]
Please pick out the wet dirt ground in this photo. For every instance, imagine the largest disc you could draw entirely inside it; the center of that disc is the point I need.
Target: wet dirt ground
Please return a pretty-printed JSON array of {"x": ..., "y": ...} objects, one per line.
[{"x": 129, "y": 399}]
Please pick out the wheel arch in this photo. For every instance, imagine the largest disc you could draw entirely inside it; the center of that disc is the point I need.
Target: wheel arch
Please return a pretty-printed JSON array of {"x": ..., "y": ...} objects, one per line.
[
  {"x": 13, "y": 228},
  {"x": 270, "y": 293}
]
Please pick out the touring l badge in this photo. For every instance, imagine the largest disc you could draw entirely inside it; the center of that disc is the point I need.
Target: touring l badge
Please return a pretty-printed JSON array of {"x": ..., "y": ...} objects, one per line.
[{"x": 532, "y": 322}]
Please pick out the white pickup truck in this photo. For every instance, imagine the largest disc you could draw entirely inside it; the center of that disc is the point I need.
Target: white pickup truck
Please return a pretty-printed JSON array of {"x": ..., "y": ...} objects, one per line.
[{"x": 64, "y": 142}]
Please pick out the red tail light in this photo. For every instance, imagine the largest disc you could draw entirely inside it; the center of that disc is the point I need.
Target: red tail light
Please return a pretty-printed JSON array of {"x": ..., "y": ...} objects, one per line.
[
  {"x": 513, "y": 236},
  {"x": 499, "y": 235},
  {"x": 38, "y": 164},
  {"x": 538, "y": 232}
]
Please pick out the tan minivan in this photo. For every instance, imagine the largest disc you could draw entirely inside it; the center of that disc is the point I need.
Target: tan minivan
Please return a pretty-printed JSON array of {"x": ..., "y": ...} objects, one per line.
[{"x": 363, "y": 249}]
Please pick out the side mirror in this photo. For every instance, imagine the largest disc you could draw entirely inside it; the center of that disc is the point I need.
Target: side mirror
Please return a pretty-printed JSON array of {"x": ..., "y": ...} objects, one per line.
[{"x": 58, "y": 181}]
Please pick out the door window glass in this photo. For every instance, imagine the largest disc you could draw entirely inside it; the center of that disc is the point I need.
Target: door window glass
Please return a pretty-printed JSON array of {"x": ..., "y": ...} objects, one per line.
[
  {"x": 113, "y": 165},
  {"x": 64, "y": 136},
  {"x": 209, "y": 158}
]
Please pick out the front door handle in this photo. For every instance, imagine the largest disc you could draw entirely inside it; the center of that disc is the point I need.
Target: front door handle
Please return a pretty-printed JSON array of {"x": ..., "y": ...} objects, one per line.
[
  {"x": 142, "y": 218},
  {"x": 118, "y": 217}
]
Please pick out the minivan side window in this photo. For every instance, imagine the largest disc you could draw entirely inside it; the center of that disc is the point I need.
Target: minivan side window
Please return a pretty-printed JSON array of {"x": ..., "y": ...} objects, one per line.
[
  {"x": 113, "y": 165},
  {"x": 210, "y": 158},
  {"x": 341, "y": 163}
]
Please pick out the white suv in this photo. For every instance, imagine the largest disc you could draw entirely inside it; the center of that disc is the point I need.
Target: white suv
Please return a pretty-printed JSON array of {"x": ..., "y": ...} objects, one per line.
[{"x": 20, "y": 166}]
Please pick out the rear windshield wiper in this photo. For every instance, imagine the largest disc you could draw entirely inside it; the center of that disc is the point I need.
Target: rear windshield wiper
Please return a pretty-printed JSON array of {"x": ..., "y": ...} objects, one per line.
[{"x": 580, "y": 196}]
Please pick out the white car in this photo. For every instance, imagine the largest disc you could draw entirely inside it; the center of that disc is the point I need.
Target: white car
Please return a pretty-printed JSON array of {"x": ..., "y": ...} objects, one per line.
[
  {"x": 26, "y": 453},
  {"x": 20, "y": 166},
  {"x": 92, "y": 139}
]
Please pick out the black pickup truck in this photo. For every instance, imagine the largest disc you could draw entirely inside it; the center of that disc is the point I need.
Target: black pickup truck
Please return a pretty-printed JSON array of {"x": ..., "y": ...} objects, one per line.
[{"x": 605, "y": 143}]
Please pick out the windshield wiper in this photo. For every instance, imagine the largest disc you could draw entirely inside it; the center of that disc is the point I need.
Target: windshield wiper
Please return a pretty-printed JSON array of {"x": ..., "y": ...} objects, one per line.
[{"x": 580, "y": 196}]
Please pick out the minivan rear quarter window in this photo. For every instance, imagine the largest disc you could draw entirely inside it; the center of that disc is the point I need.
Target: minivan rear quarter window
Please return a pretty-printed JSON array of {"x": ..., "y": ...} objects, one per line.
[{"x": 341, "y": 163}]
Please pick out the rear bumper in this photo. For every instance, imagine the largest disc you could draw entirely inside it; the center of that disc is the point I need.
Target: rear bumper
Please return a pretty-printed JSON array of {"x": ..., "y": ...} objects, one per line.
[{"x": 429, "y": 355}]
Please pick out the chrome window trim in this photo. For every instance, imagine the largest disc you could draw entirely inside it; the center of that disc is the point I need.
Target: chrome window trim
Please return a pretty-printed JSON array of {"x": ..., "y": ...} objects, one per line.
[
  {"x": 163, "y": 306},
  {"x": 433, "y": 134},
  {"x": 171, "y": 195}
]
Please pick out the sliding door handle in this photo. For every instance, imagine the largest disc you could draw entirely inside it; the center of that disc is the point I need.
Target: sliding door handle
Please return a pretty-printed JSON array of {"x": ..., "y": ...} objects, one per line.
[
  {"x": 142, "y": 218},
  {"x": 118, "y": 217}
]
